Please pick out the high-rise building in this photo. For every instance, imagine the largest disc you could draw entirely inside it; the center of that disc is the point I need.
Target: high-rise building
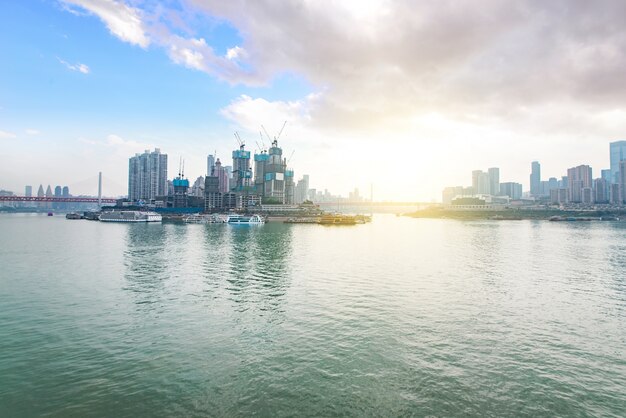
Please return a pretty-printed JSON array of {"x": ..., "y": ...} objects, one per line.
[
  {"x": 481, "y": 182},
  {"x": 260, "y": 160},
  {"x": 494, "y": 181},
  {"x": 57, "y": 193},
  {"x": 559, "y": 196},
  {"x": 622, "y": 182},
  {"x": 66, "y": 191},
  {"x": 242, "y": 174},
  {"x": 222, "y": 177},
  {"x": 617, "y": 152},
  {"x": 302, "y": 189},
  {"x": 579, "y": 178},
  {"x": 274, "y": 187},
  {"x": 197, "y": 189},
  {"x": 290, "y": 188},
  {"x": 535, "y": 179},
  {"x": 147, "y": 176},
  {"x": 210, "y": 164},
  {"x": 28, "y": 191},
  {"x": 181, "y": 189},
  {"x": 212, "y": 194},
  {"x": 601, "y": 190},
  {"x": 511, "y": 189}
]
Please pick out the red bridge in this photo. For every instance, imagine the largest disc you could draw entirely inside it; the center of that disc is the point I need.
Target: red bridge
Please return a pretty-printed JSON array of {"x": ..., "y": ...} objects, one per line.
[{"x": 55, "y": 199}]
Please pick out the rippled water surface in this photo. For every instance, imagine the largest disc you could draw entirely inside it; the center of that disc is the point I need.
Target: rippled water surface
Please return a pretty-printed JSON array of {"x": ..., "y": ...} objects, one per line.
[{"x": 400, "y": 317}]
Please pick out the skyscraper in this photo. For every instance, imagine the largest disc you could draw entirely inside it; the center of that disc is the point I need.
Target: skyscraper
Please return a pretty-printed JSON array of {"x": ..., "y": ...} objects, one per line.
[
  {"x": 147, "y": 176},
  {"x": 494, "y": 181},
  {"x": 617, "y": 151},
  {"x": 579, "y": 178},
  {"x": 28, "y": 191},
  {"x": 241, "y": 168},
  {"x": 302, "y": 189},
  {"x": 210, "y": 164},
  {"x": 222, "y": 177},
  {"x": 535, "y": 179},
  {"x": 275, "y": 166},
  {"x": 622, "y": 182}
]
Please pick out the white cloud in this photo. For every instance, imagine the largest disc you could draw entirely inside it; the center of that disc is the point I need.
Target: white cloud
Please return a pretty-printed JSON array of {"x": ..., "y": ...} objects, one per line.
[
  {"x": 123, "y": 21},
  {"x": 434, "y": 77},
  {"x": 82, "y": 68},
  {"x": 236, "y": 53},
  {"x": 7, "y": 135},
  {"x": 32, "y": 132}
]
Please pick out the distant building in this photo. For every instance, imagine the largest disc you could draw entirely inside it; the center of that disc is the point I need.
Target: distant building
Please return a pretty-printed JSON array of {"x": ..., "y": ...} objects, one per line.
[
  {"x": 260, "y": 161},
  {"x": 28, "y": 191},
  {"x": 481, "y": 183},
  {"x": 494, "y": 181},
  {"x": 302, "y": 189},
  {"x": 210, "y": 164},
  {"x": 181, "y": 190},
  {"x": 222, "y": 176},
  {"x": 535, "y": 179},
  {"x": 512, "y": 190},
  {"x": 559, "y": 196},
  {"x": 616, "y": 197},
  {"x": 601, "y": 190},
  {"x": 212, "y": 194},
  {"x": 275, "y": 166},
  {"x": 622, "y": 182},
  {"x": 147, "y": 176},
  {"x": 617, "y": 152},
  {"x": 579, "y": 178},
  {"x": 242, "y": 174}
]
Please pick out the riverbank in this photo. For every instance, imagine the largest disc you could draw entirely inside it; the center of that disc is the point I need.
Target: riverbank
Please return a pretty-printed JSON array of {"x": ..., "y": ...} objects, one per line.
[{"x": 516, "y": 214}]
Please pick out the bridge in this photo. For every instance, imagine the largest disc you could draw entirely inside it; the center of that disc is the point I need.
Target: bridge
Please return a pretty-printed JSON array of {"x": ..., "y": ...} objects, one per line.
[{"x": 55, "y": 199}]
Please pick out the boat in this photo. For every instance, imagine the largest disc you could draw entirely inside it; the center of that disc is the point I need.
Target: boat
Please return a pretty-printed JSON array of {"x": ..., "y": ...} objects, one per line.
[
  {"x": 73, "y": 215},
  {"x": 302, "y": 220},
  {"x": 130, "y": 216},
  {"x": 50, "y": 214},
  {"x": 245, "y": 220},
  {"x": 337, "y": 219},
  {"x": 202, "y": 219}
]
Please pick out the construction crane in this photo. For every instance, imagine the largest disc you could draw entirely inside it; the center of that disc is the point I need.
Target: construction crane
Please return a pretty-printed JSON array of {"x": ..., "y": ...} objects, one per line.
[
  {"x": 268, "y": 135},
  {"x": 239, "y": 140},
  {"x": 281, "y": 130},
  {"x": 291, "y": 155}
]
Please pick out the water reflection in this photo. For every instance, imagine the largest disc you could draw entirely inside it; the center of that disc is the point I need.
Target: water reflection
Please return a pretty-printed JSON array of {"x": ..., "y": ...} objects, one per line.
[
  {"x": 259, "y": 265},
  {"x": 145, "y": 260}
]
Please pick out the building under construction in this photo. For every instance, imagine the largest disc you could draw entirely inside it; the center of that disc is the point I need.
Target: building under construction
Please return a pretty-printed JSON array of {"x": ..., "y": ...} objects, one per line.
[{"x": 272, "y": 182}]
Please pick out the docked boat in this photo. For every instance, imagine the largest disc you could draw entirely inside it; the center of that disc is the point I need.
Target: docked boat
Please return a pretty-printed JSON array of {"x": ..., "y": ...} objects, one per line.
[
  {"x": 337, "y": 220},
  {"x": 202, "y": 219},
  {"x": 130, "y": 216},
  {"x": 245, "y": 220},
  {"x": 73, "y": 215}
]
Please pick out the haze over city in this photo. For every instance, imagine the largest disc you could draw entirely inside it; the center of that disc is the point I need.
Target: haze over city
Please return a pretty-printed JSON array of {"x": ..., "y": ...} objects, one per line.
[{"x": 409, "y": 97}]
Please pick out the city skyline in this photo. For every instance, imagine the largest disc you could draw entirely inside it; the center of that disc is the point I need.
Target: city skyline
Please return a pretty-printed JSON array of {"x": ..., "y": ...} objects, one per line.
[{"x": 86, "y": 84}]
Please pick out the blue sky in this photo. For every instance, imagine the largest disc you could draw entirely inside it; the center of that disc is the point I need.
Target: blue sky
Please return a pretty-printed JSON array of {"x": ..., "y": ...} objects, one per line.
[{"x": 408, "y": 97}]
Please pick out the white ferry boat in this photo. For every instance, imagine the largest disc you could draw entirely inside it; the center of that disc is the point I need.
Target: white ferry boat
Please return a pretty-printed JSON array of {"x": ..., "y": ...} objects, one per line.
[
  {"x": 245, "y": 220},
  {"x": 202, "y": 219},
  {"x": 130, "y": 216}
]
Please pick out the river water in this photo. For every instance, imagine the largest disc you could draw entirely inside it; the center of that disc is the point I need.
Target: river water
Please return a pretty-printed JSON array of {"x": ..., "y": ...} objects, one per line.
[{"x": 400, "y": 317}]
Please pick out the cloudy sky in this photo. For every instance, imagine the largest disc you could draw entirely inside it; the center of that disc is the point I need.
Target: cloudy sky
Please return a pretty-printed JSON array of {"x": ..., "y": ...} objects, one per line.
[{"x": 408, "y": 96}]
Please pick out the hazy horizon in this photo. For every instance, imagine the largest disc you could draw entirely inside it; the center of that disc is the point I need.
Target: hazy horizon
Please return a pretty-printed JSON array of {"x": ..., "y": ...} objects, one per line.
[{"x": 408, "y": 97}]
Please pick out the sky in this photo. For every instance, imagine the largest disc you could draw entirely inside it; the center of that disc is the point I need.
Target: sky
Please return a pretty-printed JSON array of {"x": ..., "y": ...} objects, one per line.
[{"x": 406, "y": 96}]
